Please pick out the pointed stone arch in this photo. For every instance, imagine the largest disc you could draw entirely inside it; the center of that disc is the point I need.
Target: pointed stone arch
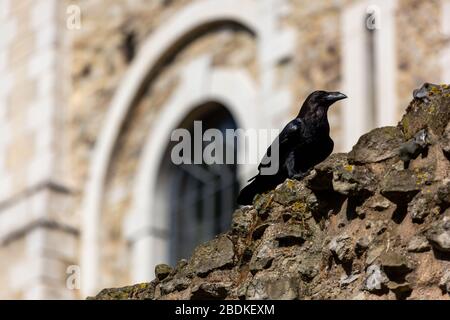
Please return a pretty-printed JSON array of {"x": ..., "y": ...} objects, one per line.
[{"x": 274, "y": 45}]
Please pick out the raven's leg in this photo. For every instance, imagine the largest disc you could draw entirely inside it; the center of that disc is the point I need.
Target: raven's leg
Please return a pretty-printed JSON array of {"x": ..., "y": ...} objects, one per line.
[{"x": 290, "y": 165}]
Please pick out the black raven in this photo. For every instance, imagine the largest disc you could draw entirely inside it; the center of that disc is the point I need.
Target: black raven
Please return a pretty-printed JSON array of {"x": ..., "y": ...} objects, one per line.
[{"x": 303, "y": 143}]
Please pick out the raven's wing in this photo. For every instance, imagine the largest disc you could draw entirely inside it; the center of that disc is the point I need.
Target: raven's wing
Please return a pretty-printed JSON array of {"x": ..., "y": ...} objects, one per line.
[{"x": 291, "y": 135}]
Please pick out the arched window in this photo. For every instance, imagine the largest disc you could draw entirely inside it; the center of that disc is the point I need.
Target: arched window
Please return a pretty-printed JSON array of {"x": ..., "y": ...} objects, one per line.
[
  {"x": 146, "y": 227},
  {"x": 201, "y": 197}
]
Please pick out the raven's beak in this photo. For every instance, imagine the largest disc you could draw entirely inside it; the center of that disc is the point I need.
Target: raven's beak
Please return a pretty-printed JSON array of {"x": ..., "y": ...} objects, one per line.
[{"x": 335, "y": 96}]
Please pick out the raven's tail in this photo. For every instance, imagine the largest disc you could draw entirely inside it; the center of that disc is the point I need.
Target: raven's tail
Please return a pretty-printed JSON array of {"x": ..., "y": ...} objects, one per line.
[{"x": 249, "y": 192}]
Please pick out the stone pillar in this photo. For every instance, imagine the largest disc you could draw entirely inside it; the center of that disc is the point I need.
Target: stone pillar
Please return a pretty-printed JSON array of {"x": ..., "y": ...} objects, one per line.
[{"x": 37, "y": 234}]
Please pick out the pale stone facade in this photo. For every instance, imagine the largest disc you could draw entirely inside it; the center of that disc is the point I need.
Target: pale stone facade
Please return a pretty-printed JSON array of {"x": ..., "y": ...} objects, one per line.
[
  {"x": 38, "y": 230},
  {"x": 85, "y": 113}
]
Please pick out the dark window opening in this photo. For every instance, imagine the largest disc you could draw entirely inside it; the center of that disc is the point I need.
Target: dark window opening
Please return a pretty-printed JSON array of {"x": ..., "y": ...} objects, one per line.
[
  {"x": 371, "y": 27},
  {"x": 202, "y": 197},
  {"x": 129, "y": 46}
]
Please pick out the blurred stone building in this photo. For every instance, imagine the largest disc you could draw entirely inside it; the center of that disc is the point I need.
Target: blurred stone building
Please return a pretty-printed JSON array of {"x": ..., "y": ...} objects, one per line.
[{"x": 91, "y": 90}]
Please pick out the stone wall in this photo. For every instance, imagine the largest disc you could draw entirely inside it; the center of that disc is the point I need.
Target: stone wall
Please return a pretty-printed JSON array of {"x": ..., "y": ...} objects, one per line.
[
  {"x": 111, "y": 33},
  {"x": 368, "y": 225}
]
